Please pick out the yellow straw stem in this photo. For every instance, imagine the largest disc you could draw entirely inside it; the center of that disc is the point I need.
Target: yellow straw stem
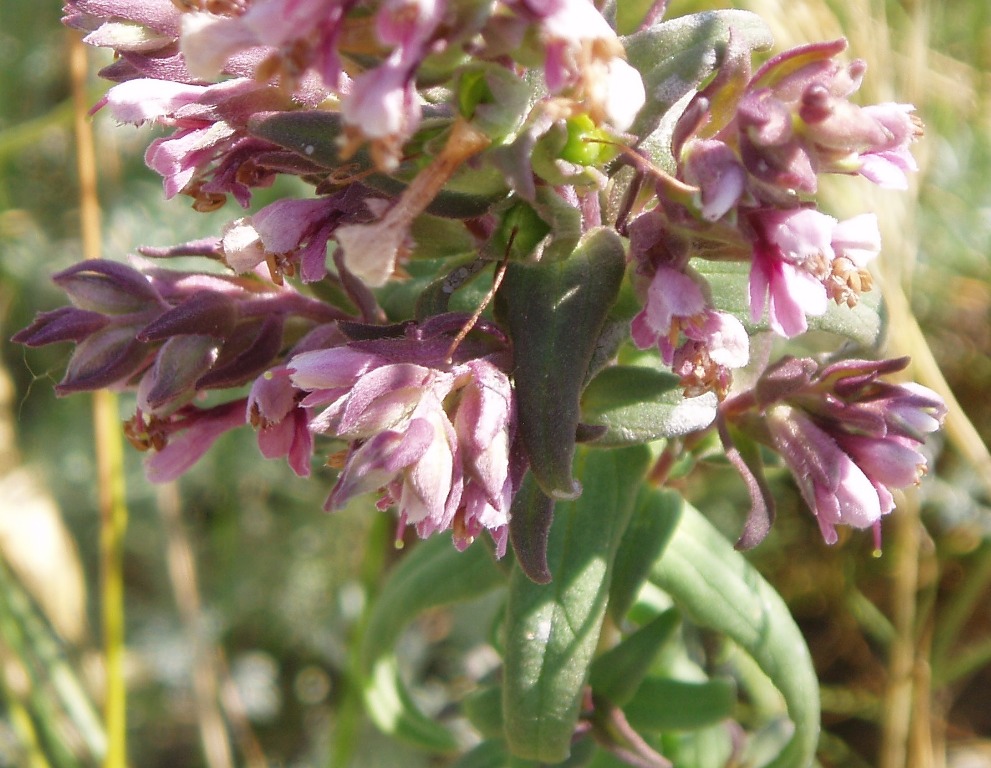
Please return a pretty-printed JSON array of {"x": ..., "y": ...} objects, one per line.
[{"x": 108, "y": 443}]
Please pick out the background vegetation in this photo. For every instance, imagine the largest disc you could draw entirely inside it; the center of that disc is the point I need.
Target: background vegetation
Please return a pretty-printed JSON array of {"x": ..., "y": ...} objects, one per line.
[{"x": 241, "y": 596}]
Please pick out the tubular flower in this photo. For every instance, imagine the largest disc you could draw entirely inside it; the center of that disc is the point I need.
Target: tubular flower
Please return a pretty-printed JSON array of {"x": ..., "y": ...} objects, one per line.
[
  {"x": 291, "y": 235},
  {"x": 209, "y": 154},
  {"x": 714, "y": 342},
  {"x": 435, "y": 440},
  {"x": 169, "y": 333},
  {"x": 801, "y": 259},
  {"x": 795, "y": 121},
  {"x": 848, "y": 438}
]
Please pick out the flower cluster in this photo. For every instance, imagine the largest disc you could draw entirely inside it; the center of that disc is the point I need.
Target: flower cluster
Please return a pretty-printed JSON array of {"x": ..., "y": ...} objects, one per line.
[
  {"x": 450, "y": 142},
  {"x": 847, "y": 437},
  {"x": 436, "y": 434},
  {"x": 747, "y": 164}
]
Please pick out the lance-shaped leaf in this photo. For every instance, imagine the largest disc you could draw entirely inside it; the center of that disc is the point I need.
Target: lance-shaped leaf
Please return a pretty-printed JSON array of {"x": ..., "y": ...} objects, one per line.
[
  {"x": 637, "y": 405},
  {"x": 529, "y": 526},
  {"x": 552, "y": 629},
  {"x": 744, "y": 454},
  {"x": 676, "y": 56},
  {"x": 483, "y": 708},
  {"x": 488, "y": 754},
  {"x": 555, "y": 312},
  {"x": 663, "y": 704},
  {"x": 617, "y": 674},
  {"x": 643, "y": 541},
  {"x": 716, "y": 587},
  {"x": 433, "y": 574}
]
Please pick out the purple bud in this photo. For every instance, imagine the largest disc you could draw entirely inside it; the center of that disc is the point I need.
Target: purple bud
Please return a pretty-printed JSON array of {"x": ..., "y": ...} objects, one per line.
[
  {"x": 248, "y": 351},
  {"x": 180, "y": 362},
  {"x": 109, "y": 357},
  {"x": 108, "y": 287},
  {"x": 205, "y": 313},
  {"x": 62, "y": 324}
]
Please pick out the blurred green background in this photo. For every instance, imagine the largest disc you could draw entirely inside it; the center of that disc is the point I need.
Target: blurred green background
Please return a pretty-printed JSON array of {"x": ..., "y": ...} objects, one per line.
[{"x": 256, "y": 636}]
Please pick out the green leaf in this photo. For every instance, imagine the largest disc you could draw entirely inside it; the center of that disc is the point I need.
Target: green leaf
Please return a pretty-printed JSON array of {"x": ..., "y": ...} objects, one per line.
[
  {"x": 629, "y": 14},
  {"x": 716, "y": 587},
  {"x": 529, "y": 527},
  {"x": 676, "y": 56},
  {"x": 552, "y": 629},
  {"x": 433, "y": 574},
  {"x": 394, "y": 712},
  {"x": 653, "y": 522},
  {"x": 488, "y": 754},
  {"x": 493, "y": 97},
  {"x": 483, "y": 708},
  {"x": 403, "y": 299},
  {"x": 730, "y": 293},
  {"x": 638, "y": 404},
  {"x": 701, "y": 748},
  {"x": 555, "y": 311},
  {"x": 663, "y": 704},
  {"x": 617, "y": 673}
]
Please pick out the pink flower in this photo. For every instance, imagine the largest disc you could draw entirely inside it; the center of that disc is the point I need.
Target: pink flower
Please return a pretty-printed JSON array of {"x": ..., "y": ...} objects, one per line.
[
  {"x": 209, "y": 145},
  {"x": 802, "y": 258},
  {"x": 290, "y": 234},
  {"x": 836, "y": 489},
  {"x": 714, "y": 342},
  {"x": 848, "y": 438},
  {"x": 791, "y": 249},
  {"x": 283, "y": 427},
  {"x": 288, "y": 39},
  {"x": 888, "y": 162},
  {"x": 714, "y": 168},
  {"x": 434, "y": 439},
  {"x": 583, "y": 54},
  {"x": 796, "y": 121},
  {"x": 382, "y": 107},
  {"x": 182, "y": 438},
  {"x": 674, "y": 300}
]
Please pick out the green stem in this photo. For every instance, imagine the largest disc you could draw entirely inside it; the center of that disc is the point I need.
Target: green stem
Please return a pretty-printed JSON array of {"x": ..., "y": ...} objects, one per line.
[
  {"x": 349, "y": 715},
  {"x": 949, "y": 626}
]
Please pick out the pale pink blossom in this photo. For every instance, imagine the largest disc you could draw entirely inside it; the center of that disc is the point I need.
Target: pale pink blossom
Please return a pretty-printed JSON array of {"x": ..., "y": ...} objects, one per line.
[
  {"x": 849, "y": 438},
  {"x": 433, "y": 439}
]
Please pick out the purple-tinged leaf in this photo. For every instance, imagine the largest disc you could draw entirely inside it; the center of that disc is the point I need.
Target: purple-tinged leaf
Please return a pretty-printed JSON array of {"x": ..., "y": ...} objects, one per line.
[
  {"x": 744, "y": 454},
  {"x": 529, "y": 526}
]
